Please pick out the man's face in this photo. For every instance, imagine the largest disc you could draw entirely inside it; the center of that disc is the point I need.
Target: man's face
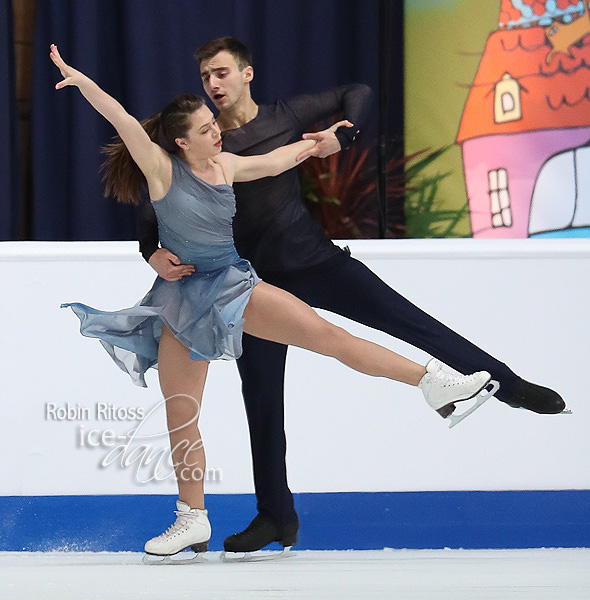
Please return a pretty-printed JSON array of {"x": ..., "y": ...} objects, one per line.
[{"x": 223, "y": 81}]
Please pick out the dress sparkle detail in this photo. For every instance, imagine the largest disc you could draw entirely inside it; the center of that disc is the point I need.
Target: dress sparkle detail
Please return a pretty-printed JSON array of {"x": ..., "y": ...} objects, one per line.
[{"x": 203, "y": 310}]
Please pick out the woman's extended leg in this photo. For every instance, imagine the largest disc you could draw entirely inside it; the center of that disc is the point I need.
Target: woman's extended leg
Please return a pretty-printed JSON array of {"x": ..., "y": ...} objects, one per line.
[
  {"x": 182, "y": 381},
  {"x": 276, "y": 315}
]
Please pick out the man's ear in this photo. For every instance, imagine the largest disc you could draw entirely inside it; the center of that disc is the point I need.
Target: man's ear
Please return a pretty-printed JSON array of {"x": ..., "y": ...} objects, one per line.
[{"x": 248, "y": 74}]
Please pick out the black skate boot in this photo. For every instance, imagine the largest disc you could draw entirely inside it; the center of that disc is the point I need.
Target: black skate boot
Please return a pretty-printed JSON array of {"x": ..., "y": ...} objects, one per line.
[
  {"x": 537, "y": 398},
  {"x": 262, "y": 531}
]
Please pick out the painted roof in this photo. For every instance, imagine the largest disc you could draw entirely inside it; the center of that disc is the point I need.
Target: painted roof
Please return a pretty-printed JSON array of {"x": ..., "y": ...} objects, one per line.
[
  {"x": 532, "y": 13},
  {"x": 554, "y": 95}
]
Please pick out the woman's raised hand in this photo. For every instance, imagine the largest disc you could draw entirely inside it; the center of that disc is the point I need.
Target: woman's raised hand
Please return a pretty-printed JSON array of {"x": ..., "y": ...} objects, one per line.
[
  {"x": 69, "y": 74},
  {"x": 149, "y": 157}
]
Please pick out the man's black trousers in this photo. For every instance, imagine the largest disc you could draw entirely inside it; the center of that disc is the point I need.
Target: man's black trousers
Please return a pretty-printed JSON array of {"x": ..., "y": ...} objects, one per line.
[{"x": 344, "y": 286}]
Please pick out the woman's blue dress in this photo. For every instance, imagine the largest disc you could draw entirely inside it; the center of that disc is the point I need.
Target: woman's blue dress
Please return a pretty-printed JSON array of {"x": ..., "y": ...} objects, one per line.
[{"x": 203, "y": 310}]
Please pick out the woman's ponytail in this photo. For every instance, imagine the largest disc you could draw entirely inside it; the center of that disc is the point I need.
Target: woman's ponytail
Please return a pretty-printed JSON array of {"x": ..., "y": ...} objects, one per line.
[{"x": 121, "y": 175}]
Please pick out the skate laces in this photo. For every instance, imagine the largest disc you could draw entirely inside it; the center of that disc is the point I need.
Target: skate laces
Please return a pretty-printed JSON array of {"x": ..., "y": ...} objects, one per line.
[
  {"x": 445, "y": 379},
  {"x": 257, "y": 524},
  {"x": 183, "y": 520}
]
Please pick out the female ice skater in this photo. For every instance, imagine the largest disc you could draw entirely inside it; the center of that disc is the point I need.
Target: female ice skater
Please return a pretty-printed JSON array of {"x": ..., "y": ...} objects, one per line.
[{"x": 180, "y": 326}]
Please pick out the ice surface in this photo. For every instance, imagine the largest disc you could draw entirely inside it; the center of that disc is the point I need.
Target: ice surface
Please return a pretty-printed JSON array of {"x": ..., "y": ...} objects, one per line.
[{"x": 560, "y": 574}]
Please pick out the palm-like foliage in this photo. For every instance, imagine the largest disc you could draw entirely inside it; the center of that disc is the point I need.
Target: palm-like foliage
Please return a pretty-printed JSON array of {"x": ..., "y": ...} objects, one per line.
[
  {"x": 424, "y": 219},
  {"x": 341, "y": 191}
]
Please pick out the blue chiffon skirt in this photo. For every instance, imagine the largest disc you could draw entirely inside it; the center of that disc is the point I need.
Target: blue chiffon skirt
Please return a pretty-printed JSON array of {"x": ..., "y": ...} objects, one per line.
[{"x": 203, "y": 310}]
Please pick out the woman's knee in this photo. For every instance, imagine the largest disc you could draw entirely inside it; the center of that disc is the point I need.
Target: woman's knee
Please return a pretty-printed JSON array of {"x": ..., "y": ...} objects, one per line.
[
  {"x": 330, "y": 338},
  {"x": 182, "y": 410}
]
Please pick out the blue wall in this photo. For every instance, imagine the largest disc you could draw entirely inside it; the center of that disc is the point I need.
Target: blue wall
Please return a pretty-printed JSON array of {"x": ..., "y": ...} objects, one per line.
[{"x": 332, "y": 521}]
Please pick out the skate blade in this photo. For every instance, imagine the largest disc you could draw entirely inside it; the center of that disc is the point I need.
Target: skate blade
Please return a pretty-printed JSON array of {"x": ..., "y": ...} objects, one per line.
[
  {"x": 256, "y": 556},
  {"x": 567, "y": 411},
  {"x": 170, "y": 559},
  {"x": 486, "y": 393}
]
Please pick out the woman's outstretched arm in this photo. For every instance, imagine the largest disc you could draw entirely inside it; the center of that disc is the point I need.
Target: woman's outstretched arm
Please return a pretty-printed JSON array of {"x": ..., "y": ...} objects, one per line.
[
  {"x": 150, "y": 158},
  {"x": 248, "y": 168}
]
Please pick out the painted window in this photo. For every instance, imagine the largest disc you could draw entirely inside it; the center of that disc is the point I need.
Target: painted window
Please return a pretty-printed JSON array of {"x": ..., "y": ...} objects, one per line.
[
  {"x": 499, "y": 198},
  {"x": 507, "y": 105}
]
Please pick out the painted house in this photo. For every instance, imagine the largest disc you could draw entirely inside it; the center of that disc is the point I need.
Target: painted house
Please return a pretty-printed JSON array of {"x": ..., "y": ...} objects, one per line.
[{"x": 526, "y": 123}]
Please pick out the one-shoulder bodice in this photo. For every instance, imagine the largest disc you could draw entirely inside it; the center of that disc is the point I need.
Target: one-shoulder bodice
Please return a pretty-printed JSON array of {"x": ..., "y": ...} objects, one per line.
[
  {"x": 195, "y": 219},
  {"x": 203, "y": 310}
]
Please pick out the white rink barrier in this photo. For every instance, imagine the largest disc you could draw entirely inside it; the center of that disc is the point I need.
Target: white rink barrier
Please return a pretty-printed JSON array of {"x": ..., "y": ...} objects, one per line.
[{"x": 68, "y": 413}]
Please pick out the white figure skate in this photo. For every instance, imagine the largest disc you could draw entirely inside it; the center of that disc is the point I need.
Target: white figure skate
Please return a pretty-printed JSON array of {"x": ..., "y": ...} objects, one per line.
[
  {"x": 442, "y": 389},
  {"x": 190, "y": 530}
]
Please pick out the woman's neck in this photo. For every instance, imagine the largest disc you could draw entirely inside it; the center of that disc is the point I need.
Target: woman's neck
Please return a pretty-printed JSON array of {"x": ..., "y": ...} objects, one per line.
[{"x": 197, "y": 164}]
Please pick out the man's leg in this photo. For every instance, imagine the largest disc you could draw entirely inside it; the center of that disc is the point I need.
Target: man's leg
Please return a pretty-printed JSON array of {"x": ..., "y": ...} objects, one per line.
[
  {"x": 346, "y": 286},
  {"x": 262, "y": 370}
]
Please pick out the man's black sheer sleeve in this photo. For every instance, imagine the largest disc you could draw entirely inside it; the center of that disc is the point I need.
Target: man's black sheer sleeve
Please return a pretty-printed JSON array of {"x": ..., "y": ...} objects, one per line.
[
  {"x": 352, "y": 102},
  {"x": 147, "y": 227}
]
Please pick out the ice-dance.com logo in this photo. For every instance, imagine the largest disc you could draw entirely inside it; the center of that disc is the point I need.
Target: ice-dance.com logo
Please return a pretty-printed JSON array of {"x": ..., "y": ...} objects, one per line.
[{"x": 155, "y": 457}]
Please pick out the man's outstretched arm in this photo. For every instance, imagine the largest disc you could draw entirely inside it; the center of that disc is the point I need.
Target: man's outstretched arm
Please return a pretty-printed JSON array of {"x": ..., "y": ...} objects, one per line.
[{"x": 351, "y": 102}]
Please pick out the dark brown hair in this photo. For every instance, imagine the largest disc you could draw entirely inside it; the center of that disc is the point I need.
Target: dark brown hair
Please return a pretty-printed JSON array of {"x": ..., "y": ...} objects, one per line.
[
  {"x": 237, "y": 49},
  {"x": 121, "y": 175}
]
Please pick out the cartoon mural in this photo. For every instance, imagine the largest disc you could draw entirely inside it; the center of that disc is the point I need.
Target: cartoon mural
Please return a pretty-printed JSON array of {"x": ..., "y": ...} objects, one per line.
[{"x": 525, "y": 128}]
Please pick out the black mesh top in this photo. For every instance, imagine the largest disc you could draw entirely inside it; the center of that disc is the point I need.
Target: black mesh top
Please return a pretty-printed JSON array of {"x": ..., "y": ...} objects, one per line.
[{"x": 272, "y": 227}]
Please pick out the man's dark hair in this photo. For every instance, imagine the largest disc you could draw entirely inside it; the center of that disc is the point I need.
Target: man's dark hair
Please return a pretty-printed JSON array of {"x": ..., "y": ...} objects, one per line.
[{"x": 237, "y": 49}]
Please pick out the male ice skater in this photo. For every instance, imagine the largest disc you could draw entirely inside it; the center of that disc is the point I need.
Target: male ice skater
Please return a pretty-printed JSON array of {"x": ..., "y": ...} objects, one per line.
[{"x": 275, "y": 232}]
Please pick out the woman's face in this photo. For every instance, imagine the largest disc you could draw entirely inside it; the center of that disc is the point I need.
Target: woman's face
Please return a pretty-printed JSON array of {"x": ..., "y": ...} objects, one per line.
[{"x": 203, "y": 139}]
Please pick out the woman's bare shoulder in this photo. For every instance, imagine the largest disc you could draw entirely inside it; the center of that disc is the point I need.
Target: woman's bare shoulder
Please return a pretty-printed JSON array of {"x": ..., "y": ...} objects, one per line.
[{"x": 227, "y": 162}]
